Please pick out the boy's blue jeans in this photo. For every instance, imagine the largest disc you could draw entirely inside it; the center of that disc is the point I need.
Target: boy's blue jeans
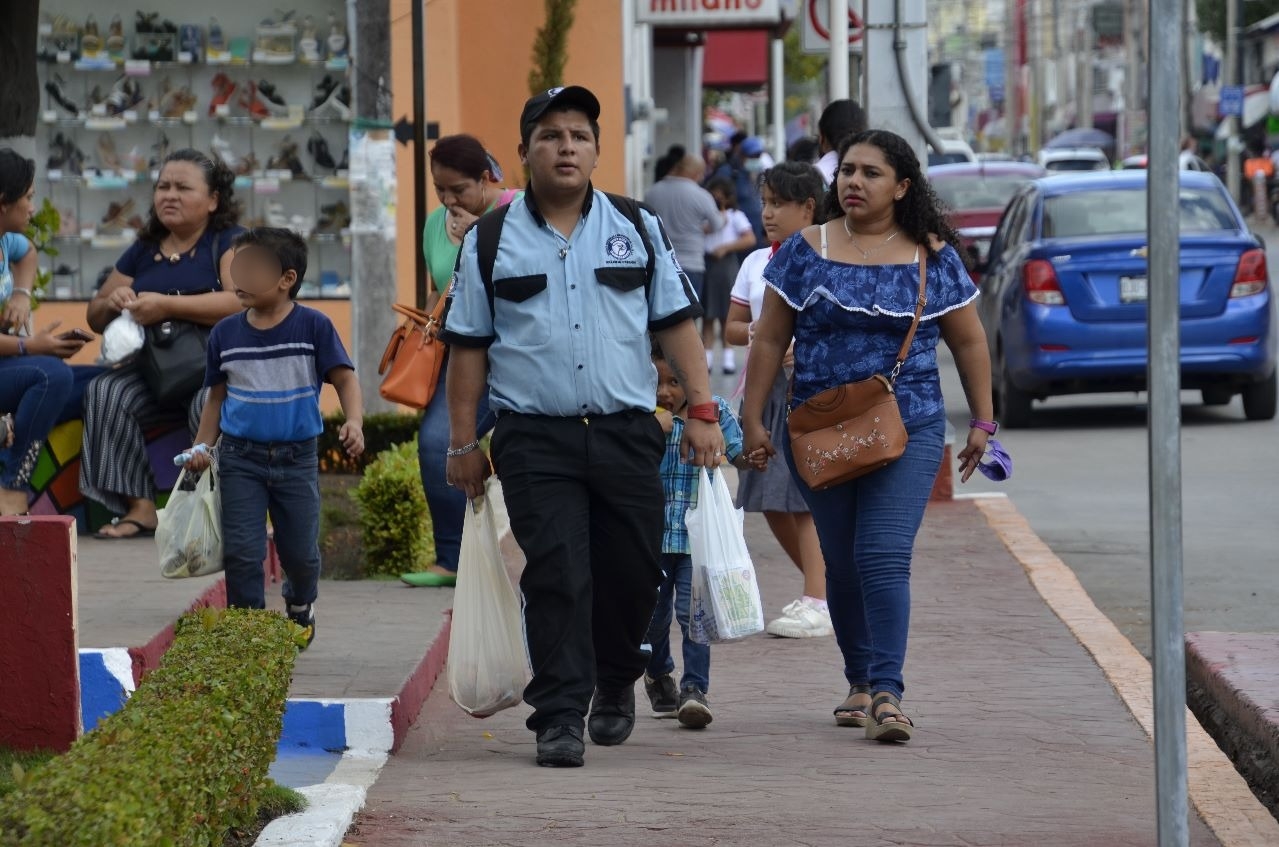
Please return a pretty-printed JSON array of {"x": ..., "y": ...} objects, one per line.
[
  {"x": 33, "y": 389},
  {"x": 867, "y": 529},
  {"x": 281, "y": 479},
  {"x": 677, "y": 586}
]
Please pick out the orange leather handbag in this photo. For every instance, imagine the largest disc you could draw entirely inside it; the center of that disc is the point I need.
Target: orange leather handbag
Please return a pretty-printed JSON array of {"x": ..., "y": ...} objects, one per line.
[
  {"x": 410, "y": 367},
  {"x": 856, "y": 428}
]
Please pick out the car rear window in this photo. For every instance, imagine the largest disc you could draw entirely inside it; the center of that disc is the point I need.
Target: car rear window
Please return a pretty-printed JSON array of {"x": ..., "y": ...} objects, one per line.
[
  {"x": 1119, "y": 211},
  {"x": 1075, "y": 165},
  {"x": 978, "y": 192},
  {"x": 947, "y": 158}
]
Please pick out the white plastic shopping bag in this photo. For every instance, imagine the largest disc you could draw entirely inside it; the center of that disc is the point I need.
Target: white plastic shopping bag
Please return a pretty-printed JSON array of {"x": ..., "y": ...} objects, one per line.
[
  {"x": 488, "y": 659},
  {"x": 725, "y": 601},
  {"x": 189, "y": 531}
]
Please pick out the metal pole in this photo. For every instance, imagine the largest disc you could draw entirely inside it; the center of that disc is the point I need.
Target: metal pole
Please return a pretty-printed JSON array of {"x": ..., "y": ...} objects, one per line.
[
  {"x": 1231, "y": 73},
  {"x": 777, "y": 96},
  {"x": 1164, "y": 27},
  {"x": 838, "y": 85},
  {"x": 419, "y": 145}
]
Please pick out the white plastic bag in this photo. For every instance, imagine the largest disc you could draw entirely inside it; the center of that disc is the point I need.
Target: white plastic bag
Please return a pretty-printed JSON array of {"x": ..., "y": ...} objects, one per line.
[
  {"x": 121, "y": 340},
  {"x": 189, "y": 531},
  {"x": 725, "y": 602},
  {"x": 488, "y": 658}
]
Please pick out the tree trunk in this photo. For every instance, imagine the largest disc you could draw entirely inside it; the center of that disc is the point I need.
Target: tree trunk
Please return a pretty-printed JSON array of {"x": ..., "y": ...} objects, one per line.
[{"x": 19, "y": 87}]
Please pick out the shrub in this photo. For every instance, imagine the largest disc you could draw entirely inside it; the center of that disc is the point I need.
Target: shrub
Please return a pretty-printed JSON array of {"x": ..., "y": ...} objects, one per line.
[
  {"x": 381, "y": 432},
  {"x": 393, "y": 515},
  {"x": 185, "y": 760}
]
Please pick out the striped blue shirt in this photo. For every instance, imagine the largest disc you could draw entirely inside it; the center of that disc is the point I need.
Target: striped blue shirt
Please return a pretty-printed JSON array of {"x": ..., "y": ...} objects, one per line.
[
  {"x": 679, "y": 479},
  {"x": 273, "y": 376}
]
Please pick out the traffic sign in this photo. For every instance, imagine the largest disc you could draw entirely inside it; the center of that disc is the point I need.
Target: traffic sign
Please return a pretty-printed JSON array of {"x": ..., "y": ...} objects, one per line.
[
  {"x": 1231, "y": 102},
  {"x": 815, "y": 27}
]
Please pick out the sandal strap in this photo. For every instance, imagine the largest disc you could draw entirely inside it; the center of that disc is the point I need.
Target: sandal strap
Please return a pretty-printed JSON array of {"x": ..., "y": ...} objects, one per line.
[
  {"x": 885, "y": 699},
  {"x": 846, "y": 707}
]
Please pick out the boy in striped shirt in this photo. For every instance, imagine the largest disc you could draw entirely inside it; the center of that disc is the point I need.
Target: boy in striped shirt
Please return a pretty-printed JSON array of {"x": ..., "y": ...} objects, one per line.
[{"x": 264, "y": 372}]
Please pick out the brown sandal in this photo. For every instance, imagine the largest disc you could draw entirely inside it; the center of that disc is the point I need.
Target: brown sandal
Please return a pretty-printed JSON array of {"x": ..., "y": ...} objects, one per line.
[
  {"x": 881, "y": 726},
  {"x": 846, "y": 714}
]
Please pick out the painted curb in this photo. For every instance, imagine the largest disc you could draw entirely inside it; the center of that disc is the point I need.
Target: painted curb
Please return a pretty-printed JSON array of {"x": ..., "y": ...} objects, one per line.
[
  {"x": 332, "y": 806},
  {"x": 1221, "y": 796}
]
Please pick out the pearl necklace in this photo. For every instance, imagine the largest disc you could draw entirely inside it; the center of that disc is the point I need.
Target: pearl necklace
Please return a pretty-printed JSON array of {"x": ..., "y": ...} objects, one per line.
[{"x": 866, "y": 254}]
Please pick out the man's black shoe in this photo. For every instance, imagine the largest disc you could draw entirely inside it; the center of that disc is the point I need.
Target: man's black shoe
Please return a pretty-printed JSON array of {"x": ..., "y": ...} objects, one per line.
[
  {"x": 560, "y": 747},
  {"x": 612, "y": 716}
]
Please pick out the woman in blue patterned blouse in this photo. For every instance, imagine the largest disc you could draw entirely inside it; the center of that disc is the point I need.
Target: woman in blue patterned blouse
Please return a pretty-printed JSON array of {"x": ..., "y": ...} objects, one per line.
[{"x": 846, "y": 291}]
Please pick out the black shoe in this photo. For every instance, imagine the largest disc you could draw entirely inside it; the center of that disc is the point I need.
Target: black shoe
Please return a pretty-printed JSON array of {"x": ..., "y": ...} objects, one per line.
[
  {"x": 694, "y": 712},
  {"x": 305, "y": 618},
  {"x": 662, "y": 694},
  {"x": 560, "y": 747},
  {"x": 612, "y": 716}
]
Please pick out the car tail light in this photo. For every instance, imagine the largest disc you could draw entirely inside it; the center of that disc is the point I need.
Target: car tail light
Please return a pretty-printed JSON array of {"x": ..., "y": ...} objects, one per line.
[
  {"x": 1250, "y": 275},
  {"x": 1040, "y": 281}
]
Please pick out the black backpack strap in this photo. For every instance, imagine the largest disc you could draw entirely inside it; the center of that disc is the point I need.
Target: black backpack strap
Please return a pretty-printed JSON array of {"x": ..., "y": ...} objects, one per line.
[
  {"x": 630, "y": 208},
  {"x": 488, "y": 233}
]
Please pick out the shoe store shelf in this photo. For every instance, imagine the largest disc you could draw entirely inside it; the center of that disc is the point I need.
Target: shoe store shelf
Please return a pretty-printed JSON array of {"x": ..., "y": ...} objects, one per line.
[{"x": 259, "y": 94}]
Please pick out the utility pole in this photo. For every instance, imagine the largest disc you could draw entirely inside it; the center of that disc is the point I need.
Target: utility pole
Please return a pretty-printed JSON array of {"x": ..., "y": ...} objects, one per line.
[
  {"x": 1233, "y": 146},
  {"x": 372, "y": 152},
  {"x": 838, "y": 58},
  {"x": 1083, "y": 70},
  {"x": 896, "y": 71}
]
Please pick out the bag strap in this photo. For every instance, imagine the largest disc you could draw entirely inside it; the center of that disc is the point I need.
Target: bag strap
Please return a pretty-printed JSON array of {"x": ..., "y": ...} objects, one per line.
[
  {"x": 920, "y": 302},
  {"x": 419, "y": 315}
]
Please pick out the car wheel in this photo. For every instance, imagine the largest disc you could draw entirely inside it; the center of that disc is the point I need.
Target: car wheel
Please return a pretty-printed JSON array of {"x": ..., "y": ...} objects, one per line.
[
  {"x": 1217, "y": 396},
  {"x": 1259, "y": 399},
  {"x": 1014, "y": 404}
]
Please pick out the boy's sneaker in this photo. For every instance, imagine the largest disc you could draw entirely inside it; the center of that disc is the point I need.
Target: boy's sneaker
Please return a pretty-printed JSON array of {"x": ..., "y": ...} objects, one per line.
[
  {"x": 801, "y": 619},
  {"x": 694, "y": 712},
  {"x": 662, "y": 694},
  {"x": 304, "y": 616}
]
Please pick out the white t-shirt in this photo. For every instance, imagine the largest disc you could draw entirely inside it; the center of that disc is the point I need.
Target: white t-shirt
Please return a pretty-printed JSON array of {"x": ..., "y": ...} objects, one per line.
[
  {"x": 736, "y": 224},
  {"x": 748, "y": 289},
  {"x": 828, "y": 164}
]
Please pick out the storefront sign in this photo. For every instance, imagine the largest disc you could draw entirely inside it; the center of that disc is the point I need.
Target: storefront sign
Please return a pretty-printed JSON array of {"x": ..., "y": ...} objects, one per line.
[{"x": 707, "y": 14}]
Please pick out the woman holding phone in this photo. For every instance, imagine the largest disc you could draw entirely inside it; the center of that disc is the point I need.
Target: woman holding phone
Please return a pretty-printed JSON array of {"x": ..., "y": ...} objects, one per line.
[{"x": 35, "y": 382}]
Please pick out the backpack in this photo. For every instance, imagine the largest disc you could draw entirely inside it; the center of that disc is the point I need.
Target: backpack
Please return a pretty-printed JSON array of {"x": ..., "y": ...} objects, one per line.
[{"x": 488, "y": 232}]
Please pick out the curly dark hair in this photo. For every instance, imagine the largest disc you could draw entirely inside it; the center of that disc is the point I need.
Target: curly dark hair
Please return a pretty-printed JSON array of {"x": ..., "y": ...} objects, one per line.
[
  {"x": 17, "y": 175},
  {"x": 221, "y": 181},
  {"x": 920, "y": 214},
  {"x": 797, "y": 182}
]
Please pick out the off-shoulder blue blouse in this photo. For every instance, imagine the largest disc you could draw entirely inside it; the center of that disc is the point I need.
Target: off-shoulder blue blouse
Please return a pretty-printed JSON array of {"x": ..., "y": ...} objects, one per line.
[{"x": 852, "y": 319}]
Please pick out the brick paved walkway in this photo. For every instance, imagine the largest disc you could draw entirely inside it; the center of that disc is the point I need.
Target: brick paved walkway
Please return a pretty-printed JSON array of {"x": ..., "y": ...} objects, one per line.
[{"x": 1021, "y": 741}]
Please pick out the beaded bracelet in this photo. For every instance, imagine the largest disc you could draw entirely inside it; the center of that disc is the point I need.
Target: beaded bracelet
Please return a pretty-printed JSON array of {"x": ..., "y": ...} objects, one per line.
[{"x": 462, "y": 451}]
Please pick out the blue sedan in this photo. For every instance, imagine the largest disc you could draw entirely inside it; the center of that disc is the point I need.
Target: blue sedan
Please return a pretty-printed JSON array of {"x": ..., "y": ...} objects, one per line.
[{"x": 1065, "y": 286}]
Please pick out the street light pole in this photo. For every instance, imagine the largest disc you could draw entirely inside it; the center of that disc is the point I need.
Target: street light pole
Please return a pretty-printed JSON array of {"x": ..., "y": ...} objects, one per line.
[
  {"x": 838, "y": 62},
  {"x": 1163, "y": 31},
  {"x": 1232, "y": 79}
]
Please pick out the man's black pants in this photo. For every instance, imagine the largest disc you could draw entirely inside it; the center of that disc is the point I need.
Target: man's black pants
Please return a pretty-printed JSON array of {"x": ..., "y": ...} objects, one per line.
[{"x": 586, "y": 505}]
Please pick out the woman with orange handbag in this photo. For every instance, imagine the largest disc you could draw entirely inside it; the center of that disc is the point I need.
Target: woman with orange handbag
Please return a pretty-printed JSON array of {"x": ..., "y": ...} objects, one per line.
[
  {"x": 468, "y": 182},
  {"x": 849, "y": 292}
]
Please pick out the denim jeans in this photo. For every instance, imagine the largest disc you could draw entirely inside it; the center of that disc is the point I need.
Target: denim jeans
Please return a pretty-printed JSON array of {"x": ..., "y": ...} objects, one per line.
[
  {"x": 33, "y": 389},
  {"x": 282, "y": 480},
  {"x": 867, "y": 529},
  {"x": 447, "y": 504},
  {"x": 677, "y": 587}
]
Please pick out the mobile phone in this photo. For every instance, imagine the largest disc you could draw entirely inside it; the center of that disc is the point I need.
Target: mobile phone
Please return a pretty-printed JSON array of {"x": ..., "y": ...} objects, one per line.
[{"x": 76, "y": 335}]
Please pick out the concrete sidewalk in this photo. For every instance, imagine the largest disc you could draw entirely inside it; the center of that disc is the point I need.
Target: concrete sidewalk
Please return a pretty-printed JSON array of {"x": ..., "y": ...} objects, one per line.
[{"x": 1021, "y": 740}]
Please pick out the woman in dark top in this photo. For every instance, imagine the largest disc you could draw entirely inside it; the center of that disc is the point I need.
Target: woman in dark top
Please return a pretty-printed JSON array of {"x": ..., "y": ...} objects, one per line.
[{"x": 173, "y": 271}]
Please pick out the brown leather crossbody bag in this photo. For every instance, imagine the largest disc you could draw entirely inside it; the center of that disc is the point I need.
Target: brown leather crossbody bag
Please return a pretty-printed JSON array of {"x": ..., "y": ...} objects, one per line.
[{"x": 856, "y": 428}]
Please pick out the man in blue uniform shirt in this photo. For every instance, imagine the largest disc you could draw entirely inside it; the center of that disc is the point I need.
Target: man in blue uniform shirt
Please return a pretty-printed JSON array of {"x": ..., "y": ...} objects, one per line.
[{"x": 557, "y": 333}]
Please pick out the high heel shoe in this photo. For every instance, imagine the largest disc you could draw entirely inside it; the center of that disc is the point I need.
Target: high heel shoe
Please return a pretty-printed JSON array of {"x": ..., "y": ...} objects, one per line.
[
  {"x": 323, "y": 91},
  {"x": 223, "y": 89},
  {"x": 337, "y": 40},
  {"x": 108, "y": 158},
  {"x": 336, "y": 105},
  {"x": 309, "y": 42},
  {"x": 319, "y": 150},
  {"x": 115, "y": 35},
  {"x": 272, "y": 97},
  {"x": 251, "y": 103},
  {"x": 286, "y": 159},
  {"x": 54, "y": 89},
  {"x": 90, "y": 40}
]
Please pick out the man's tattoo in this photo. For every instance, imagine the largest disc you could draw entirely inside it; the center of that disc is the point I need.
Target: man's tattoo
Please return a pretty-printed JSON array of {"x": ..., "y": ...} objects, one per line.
[{"x": 679, "y": 374}]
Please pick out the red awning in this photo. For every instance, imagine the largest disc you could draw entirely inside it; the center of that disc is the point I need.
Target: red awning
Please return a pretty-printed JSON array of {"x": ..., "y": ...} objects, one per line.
[{"x": 735, "y": 58}]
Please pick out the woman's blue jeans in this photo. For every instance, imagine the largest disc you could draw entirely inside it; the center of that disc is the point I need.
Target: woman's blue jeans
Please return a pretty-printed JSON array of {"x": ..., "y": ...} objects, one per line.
[
  {"x": 33, "y": 389},
  {"x": 447, "y": 504},
  {"x": 867, "y": 529}
]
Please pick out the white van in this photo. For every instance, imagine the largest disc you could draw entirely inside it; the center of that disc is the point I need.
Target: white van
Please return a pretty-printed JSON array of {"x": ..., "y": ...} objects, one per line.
[{"x": 1073, "y": 159}]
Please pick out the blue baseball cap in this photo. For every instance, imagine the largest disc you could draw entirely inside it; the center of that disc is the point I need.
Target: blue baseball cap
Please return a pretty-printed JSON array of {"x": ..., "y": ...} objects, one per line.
[{"x": 752, "y": 147}]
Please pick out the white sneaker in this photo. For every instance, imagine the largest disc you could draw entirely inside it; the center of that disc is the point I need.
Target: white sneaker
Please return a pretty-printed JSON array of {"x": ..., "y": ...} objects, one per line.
[
  {"x": 801, "y": 619},
  {"x": 730, "y": 361}
]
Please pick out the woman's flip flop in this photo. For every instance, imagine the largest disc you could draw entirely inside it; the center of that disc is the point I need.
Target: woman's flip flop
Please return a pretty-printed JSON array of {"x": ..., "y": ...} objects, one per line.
[{"x": 142, "y": 531}]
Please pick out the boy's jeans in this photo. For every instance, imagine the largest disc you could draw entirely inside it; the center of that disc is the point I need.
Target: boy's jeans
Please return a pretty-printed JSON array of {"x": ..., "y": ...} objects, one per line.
[
  {"x": 280, "y": 479},
  {"x": 678, "y": 568}
]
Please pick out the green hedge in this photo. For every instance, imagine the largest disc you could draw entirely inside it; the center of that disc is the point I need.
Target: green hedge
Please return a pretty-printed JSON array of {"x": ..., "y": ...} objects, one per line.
[
  {"x": 394, "y": 521},
  {"x": 381, "y": 432},
  {"x": 185, "y": 760}
]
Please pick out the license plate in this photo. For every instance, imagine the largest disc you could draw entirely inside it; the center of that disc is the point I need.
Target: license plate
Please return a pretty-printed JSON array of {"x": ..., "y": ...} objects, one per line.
[{"x": 1132, "y": 289}]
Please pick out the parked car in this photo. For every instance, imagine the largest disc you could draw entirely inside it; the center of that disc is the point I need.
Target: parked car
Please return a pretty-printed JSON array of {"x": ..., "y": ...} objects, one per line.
[
  {"x": 1064, "y": 295},
  {"x": 1188, "y": 163},
  {"x": 953, "y": 150},
  {"x": 977, "y": 194},
  {"x": 1073, "y": 159}
]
